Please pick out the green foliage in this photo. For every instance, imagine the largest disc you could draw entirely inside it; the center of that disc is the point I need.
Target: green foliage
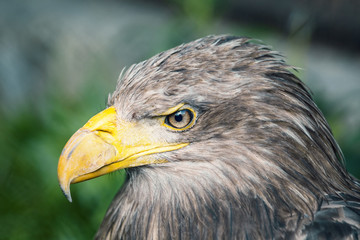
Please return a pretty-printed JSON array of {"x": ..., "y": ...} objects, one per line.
[
  {"x": 347, "y": 137},
  {"x": 32, "y": 205}
]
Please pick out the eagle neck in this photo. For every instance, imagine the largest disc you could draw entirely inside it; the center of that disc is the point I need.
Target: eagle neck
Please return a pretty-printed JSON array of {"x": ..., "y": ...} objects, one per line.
[{"x": 154, "y": 205}]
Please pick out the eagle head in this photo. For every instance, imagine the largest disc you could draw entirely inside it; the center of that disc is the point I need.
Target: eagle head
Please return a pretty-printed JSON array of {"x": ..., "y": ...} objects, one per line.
[{"x": 210, "y": 132}]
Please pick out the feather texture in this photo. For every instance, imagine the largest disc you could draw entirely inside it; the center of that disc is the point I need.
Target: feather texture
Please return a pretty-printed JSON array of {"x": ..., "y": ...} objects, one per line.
[{"x": 262, "y": 162}]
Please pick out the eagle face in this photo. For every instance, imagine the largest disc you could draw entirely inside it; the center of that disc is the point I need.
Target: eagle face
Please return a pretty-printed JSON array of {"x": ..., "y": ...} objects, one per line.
[{"x": 220, "y": 117}]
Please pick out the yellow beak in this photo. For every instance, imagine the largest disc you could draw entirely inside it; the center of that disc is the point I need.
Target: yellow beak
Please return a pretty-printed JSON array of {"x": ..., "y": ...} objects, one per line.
[{"x": 105, "y": 144}]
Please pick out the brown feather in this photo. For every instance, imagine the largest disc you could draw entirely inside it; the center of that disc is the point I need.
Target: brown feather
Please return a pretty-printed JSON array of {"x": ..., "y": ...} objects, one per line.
[{"x": 262, "y": 159}]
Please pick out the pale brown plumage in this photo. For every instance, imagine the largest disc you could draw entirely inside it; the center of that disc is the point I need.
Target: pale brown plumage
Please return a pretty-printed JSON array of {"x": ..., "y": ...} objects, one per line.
[{"x": 262, "y": 162}]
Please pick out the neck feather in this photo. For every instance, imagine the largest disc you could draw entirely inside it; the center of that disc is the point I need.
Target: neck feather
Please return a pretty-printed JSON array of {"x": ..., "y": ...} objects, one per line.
[{"x": 160, "y": 201}]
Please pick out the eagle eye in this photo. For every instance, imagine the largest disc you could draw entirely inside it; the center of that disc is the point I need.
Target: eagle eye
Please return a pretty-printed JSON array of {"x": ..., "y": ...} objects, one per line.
[{"x": 180, "y": 120}]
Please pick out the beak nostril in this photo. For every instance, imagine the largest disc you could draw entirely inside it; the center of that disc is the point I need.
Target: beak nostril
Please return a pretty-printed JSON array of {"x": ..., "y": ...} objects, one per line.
[{"x": 103, "y": 131}]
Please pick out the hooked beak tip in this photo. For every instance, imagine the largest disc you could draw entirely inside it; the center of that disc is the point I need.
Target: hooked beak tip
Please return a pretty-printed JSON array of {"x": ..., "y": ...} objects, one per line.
[{"x": 67, "y": 193}]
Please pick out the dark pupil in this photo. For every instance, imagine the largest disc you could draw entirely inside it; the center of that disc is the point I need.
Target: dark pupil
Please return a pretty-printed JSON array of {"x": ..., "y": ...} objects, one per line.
[{"x": 179, "y": 116}]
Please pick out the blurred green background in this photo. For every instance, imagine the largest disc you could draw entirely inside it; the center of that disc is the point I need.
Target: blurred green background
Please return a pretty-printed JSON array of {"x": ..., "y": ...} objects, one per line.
[{"x": 60, "y": 59}]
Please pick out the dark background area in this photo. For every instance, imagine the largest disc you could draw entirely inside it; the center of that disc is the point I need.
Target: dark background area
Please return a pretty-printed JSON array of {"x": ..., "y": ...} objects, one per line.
[{"x": 60, "y": 59}]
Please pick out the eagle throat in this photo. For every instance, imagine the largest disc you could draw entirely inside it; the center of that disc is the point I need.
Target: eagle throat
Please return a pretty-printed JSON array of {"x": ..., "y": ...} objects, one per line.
[{"x": 154, "y": 205}]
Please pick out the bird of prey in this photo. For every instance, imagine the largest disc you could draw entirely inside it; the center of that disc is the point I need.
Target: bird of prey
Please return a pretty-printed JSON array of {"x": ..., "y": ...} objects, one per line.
[{"x": 220, "y": 140}]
